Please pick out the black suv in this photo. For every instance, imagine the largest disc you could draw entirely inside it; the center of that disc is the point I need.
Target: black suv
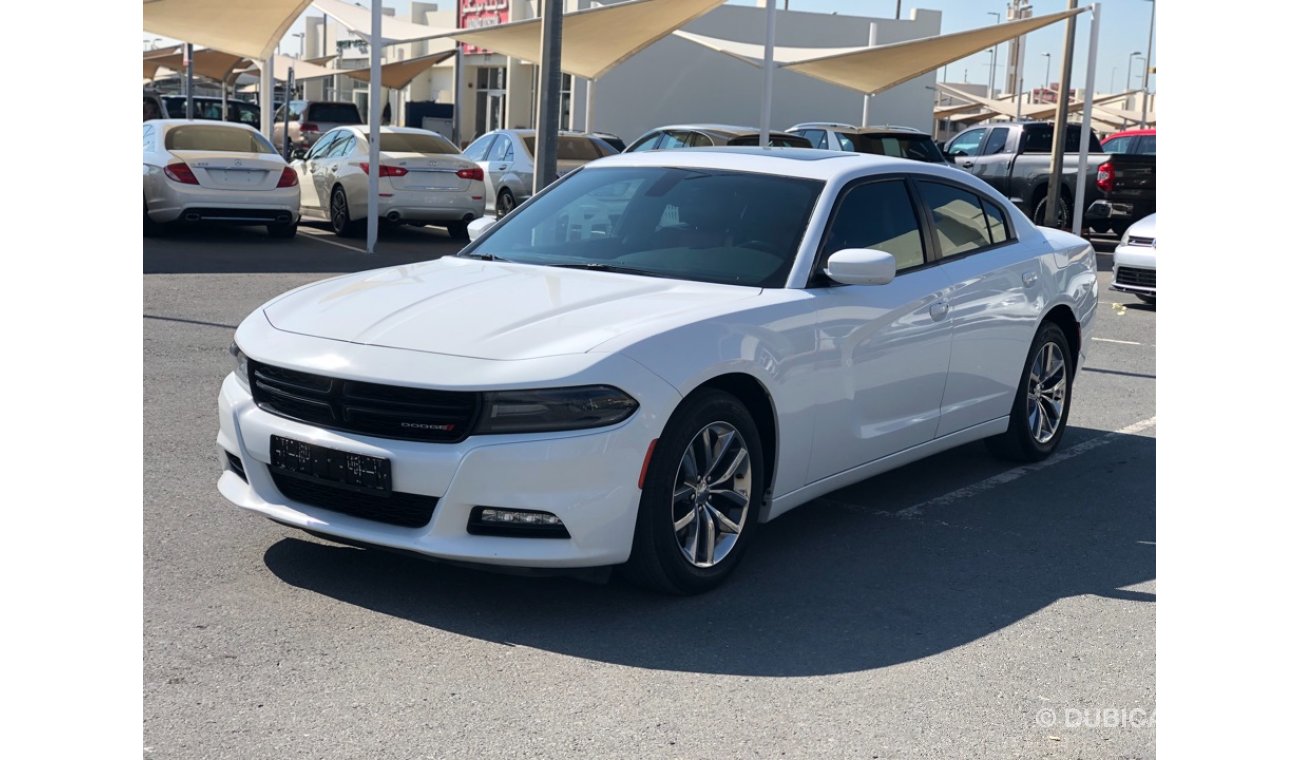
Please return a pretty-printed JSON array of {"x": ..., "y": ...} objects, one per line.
[{"x": 899, "y": 142}]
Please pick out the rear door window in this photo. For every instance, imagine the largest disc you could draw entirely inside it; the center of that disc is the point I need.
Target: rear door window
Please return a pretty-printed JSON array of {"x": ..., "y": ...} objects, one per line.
[
  {"x": 996, "y": 143},
  {"x": 958, "y": 218},
  {"x": 478, "y": 150}
]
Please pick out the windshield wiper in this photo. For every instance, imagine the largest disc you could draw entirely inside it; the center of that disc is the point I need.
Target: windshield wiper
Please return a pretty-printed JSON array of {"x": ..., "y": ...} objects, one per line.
[
  {"x": 483, "y": 257},
  {"x": 596, "y": 266}
]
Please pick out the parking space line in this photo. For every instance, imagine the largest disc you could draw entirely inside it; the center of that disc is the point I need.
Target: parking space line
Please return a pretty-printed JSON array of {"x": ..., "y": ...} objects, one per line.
[
  {"x": 1002, "y": 478},
  {"x": 320, "y": 238},
  {"x": 1121, "y": 342}
]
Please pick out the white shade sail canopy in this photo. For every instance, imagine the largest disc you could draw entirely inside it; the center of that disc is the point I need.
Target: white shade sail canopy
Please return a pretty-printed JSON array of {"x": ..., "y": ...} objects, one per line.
[
  {"x": 595, "y": 39},
  {"x": 393, "y": 30},
  {"x": 1036, "y": 111},
  {"x": 399, "y": 74},
  {"x": 301, "y": 69},
  {"x": 209, "y": 63},
  {"x": 249, "y": 28},
  {"x": 870, "y": 70}
]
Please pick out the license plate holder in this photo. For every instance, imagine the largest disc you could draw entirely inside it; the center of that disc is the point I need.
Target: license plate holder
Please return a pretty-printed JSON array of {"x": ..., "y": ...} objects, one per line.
[{"x": 341, "y": 469}]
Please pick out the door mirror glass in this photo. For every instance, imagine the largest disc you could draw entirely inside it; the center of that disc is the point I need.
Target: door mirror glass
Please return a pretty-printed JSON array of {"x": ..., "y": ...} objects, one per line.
[
  {"x": 479, "y": 226},
  {"x": 861, "y": 266}
]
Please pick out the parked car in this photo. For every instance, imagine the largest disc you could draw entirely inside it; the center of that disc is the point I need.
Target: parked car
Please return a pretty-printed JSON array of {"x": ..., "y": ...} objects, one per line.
[
  {"x": 207, "y": 107},
  {"x": 154, "y": 108},
  {"x": 1127, "y": 181},
  {"x": 309, "y": 119},
  {"x": 900, "y": 142},
  {"x": 757, "y": 329},
  {"x": 1135, "y": 260},
  {"x": 423, "y": 179},
  {"x": 710, "y": 135},
  {"x": 198, "y": 171},
  {"x": 1015, "y": 158},
  {"x": 506, "y": 157}
]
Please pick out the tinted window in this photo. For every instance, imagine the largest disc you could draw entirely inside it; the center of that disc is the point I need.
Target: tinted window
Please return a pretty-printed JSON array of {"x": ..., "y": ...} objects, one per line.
[
  {"x": 997, "y": 222},
  {"x": 775, "y": 139},
  {"x": 411, "y": 142},
  {"x": 499, "y": 149},
  {"x": 817, "y": 137},
  {"x": 958, "y": 218},
  {"x": 1038, "y": 139},
  {"x": 647, "y": 143},
  {"x": 1119, "y": 144},
  {"x": 1146, "y": 145},
  {"x": 333, "y": 113},
  {"x": 323, "y": 145},
  {"x": 213, "y": 137},
  {"x": 915, "y": 147},
  {"x": 699, "y": 140},
  {"x": 674, "y": 140},
  {"x": 996, "y": 142},
  {"x": 878, "y": 215},
  {"x": 846, "y": 143},
  {"x": 967, "y": 143},
  {"x": 343, "y": 146},
  {"x": 706, "y": 225},
  {"x": 572, "y": 148}
]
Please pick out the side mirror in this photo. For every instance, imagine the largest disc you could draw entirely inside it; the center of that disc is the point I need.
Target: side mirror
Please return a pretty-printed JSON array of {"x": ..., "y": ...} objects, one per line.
[
  {"x": 479, "y": 226},
  {"x": 297, "y": 154},
  {"x": 861, "y": 266}
]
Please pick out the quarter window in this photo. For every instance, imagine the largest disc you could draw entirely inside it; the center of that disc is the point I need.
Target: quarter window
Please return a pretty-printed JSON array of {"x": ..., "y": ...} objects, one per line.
[
  {"x": 997, "y": 222},
  {"x": 958, "y": 218},
  {"x": 878, "y": 215}
]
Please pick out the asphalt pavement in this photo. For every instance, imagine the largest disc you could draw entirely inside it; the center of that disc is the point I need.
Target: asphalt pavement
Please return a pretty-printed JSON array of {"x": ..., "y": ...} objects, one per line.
[{"x": 959, "y": 607}]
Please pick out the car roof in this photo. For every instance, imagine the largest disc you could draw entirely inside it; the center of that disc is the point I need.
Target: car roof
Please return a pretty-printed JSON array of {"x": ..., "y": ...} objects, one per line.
[
  {"x": 884, "y": 129},
  {"x": 807, "y": 163},
  {"x": 731, "y": 130},
  {"x": 1131, "y": 133}
]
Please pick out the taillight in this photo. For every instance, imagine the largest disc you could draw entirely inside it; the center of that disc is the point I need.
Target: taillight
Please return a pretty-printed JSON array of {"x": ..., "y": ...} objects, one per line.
[
  {"x": 1106, "y": 177},
  {"x": 385, "y": 170},
  {"x": 475, "y": 173},
  {"x": 307, "y": 126},
  {"x": 288, "y": 178},
  {"x": 181, "y": 172}
]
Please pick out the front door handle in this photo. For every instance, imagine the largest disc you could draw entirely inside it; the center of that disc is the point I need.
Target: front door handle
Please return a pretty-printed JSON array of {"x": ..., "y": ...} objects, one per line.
[
  {"x": 967, "y": 164},
  {"x": 501, "y": 168},
  {"x": 938, "y": 310}
]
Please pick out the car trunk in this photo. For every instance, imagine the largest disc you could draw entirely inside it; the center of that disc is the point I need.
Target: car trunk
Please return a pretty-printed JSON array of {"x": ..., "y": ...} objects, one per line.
[
  {"x": 1133, "y": 176},
  {"x": 427, "y": 171},
  {"x": 224, "y": 170}
]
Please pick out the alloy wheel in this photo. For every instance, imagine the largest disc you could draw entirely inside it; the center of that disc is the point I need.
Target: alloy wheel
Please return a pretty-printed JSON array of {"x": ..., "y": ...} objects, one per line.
[
  {"x": 1045, "y": 398},
  {"x": 712, "y": 494},
  {"x": 339, "y": 211}
]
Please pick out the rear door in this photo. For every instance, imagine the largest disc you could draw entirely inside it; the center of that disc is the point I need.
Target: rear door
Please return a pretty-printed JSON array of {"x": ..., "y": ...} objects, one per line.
[{"x": 309, "y": 165}]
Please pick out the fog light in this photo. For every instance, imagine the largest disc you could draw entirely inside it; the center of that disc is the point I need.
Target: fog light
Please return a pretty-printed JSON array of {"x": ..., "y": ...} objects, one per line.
[{"x": 494, "y": 521}]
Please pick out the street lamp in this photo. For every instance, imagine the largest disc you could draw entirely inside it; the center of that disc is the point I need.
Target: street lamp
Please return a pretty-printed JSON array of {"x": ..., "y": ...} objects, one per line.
[
  {"x": 1047, "y": 72},
  {"x": 1128, "y": 80},
  {"x": 1136, "y": 58},
  {"x": 302, "y": 43},
  {"x": 993, "y": 72}
]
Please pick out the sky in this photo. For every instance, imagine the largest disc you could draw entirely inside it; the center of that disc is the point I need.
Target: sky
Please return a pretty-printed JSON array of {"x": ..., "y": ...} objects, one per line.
[{"x": 1123, "y": 31}]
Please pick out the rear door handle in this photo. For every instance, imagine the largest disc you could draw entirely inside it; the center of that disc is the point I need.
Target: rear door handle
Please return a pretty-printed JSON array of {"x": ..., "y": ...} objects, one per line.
[{"x": 938, "y": 310}]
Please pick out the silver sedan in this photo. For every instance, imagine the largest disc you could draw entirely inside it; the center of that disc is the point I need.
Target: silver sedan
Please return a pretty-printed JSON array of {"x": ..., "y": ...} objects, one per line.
[{"x": 506, "y": 156}]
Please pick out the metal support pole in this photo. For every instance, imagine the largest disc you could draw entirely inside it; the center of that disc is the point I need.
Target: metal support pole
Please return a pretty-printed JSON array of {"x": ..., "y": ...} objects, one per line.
[
  {"x": 189, "y": 81},
  {"x": 266, "y": 97},
  {"x": 1146, "y": 70},
  {"x": 372, "y": 192},
  {"x": 288, "y": 95},
  {"x": 548, "y": 100},
  {"x": 455, "y": 97},
  {"x": 1085, "y": 130},
  {"x": 225, "y": 115},
  {"x": 866, "y": 99},
  {"x": 769, "y": 76},
  {"x": 1060, "y": 127},
  {"x": 591, "y": 99}
]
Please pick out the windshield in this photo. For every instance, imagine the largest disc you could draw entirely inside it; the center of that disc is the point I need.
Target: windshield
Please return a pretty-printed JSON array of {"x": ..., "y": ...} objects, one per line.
[
  {"x": 915, "y": 147},
  {"x": 573, "y": 148},
  {"x": 692, "y": 224},
  {"x": 213, "y": 137},
  {"x": 412, "y": 142},
  {"x": 333, "y": 113}
]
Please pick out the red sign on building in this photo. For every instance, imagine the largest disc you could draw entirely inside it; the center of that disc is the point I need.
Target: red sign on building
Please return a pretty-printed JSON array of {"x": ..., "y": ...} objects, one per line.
[{"x": 479, "y": 13}]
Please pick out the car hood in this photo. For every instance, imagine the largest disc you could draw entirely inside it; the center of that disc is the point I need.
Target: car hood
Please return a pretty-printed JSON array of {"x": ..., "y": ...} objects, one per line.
[{"x": 491, "y": 310}]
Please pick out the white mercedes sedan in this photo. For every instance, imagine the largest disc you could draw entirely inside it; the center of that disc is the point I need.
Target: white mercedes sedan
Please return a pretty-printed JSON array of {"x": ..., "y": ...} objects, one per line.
[
  {"x": 212, "y": 171},
  {"x": 423, "y": 179},
  {"x": 654, "y": 355}
]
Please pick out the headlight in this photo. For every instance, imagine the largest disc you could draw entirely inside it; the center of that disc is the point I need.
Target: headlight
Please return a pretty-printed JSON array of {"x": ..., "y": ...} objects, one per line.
[
  {"x": 554, "y": 409},
  {"x": 241, "y": 366}
]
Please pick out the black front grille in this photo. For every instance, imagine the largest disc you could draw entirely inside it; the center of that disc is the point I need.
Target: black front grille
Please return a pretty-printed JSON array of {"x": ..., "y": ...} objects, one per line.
[
  {"x": 236, "y": 466},
  {"x": 1145, "y": 278},
  {"x": 408, "y": 510},
  {"x": 386, "y": 411}
]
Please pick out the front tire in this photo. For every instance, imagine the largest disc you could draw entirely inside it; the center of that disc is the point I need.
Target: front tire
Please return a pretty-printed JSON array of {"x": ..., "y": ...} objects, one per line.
[
  {"x": 340, "y": 216},
  {"x": 1042, "y": 405},
  {"x": 701, "y": 496},
  {"x": 505, "y": 202}
]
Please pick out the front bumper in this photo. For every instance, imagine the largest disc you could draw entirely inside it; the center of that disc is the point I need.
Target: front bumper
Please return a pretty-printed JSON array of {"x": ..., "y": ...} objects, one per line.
[
  {"x": 587, "y": 478},
  {"x": 1135, "y": 270}
]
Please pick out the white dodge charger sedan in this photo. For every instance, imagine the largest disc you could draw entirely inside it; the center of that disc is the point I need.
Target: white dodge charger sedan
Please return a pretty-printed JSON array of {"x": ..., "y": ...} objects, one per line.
[
  {"x": 213, "y": 171},
  {"x": 654, "y": 355},
  {"x": 423, "y": 179}
]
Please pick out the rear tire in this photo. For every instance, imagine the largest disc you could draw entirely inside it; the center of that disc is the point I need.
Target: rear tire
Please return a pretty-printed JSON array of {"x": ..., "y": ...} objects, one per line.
[
  {"x": 505, "y": 202},
  {"x": 282, "y": 231},
  {"x": 1042, "y": 405},
  {"x": 701, "y": 496},
  {"x": 340, "y": 216},
  {"x": 1062, "y": 213}
]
